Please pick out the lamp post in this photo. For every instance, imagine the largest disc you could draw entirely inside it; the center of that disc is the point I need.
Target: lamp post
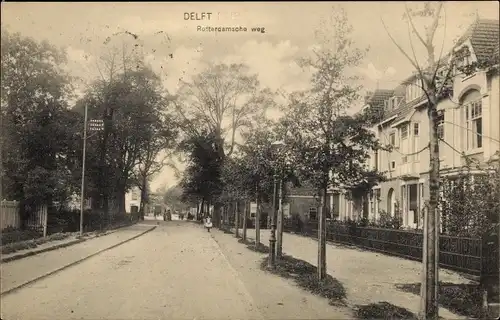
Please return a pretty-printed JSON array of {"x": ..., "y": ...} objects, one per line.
[
  {"x": 95, "y": 125},
  {"x": 272, "y": 238}
]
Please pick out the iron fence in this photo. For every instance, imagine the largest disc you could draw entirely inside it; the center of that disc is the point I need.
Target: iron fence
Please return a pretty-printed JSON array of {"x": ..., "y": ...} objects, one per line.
[{"x": 467, "y": 255}]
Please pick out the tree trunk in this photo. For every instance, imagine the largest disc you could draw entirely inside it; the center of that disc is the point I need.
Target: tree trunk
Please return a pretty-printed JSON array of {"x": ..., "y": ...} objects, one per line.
[
  {"x": 217, "y": 214},
  {"x": 257, "y": 221},
  {"x": 279, "y": 233},
  {"x": 245, "y": 216},
  {"x": 144, "y": 197},
  {"x": 322, "y": 236},
  {"x": 429, "y": 287},
  {"x": 236, "y": 219},
  {"x": 120, "y": 198}
]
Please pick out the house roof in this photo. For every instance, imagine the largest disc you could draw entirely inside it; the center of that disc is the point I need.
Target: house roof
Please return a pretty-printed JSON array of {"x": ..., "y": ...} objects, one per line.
[
  {"x": 484, "y": 37},
  {"x": 406, "y": 109},
  {"x": 378, "y": 97}
]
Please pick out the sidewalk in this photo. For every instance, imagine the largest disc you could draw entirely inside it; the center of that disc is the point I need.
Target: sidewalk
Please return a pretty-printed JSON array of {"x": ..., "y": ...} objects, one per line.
[
  {"x": 276, "y": 298},
  {"x": 368, "y": 277},
  {"x": 20, "y": 272}
]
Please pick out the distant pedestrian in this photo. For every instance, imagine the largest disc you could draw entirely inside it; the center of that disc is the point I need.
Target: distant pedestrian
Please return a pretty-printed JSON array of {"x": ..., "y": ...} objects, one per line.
[{"x": 208, "y": 223}]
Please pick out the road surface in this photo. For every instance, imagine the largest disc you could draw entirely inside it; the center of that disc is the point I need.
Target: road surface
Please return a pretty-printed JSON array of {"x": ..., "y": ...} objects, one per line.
[{"x": 177, "y": 271}]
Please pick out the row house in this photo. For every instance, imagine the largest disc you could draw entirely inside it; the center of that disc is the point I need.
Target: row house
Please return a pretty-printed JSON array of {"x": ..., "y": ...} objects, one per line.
[{"x": 469, "y": 122}]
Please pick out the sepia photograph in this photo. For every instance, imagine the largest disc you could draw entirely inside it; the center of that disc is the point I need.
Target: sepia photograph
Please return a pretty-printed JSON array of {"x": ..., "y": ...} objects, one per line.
[{"x": 260, "y": 160}]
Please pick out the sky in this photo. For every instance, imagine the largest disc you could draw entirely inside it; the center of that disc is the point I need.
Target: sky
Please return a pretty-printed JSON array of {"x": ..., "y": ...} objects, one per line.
[{"x": 171, "y": 39}]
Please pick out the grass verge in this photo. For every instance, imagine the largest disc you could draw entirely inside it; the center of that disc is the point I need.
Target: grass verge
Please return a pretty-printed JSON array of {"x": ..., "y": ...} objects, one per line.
[
  {"x": 31, "y": 244},
  {"x": 305, "y": 276},
  {"x": 251, "y": 246},
  {"x": 383, "y": 310},
  {"x": 462, "y": 299}
]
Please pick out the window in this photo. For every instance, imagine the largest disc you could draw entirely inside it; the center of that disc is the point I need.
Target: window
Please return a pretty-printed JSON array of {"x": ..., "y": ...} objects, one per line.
[
  {"x": 393, "y": 164},
  {"x": 405, "y": 159},
  {"x": 413, "y": 91},
  {"x": 313, "y": 213},
  {"x": 135, "y": 195},
  {"x": 404, "y": 132},
  {"x": 392, "y": 139},
  {"x": 376, "y": 160},
  {"x": 392, "y": 103},
  {"x": 440, "y": 128},
  {"x": 473, "y": 120},
  {"x": 415, "y": 129}
]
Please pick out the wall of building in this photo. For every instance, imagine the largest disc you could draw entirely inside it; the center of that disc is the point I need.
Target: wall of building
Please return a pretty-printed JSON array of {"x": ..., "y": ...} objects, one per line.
[
  {"x": 300, "y": 206},
  {"x": 132, "y": 198}
]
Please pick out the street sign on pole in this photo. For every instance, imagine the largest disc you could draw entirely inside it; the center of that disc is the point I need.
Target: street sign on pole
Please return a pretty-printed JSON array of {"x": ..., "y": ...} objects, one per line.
[{"x": 93, "y": 125}]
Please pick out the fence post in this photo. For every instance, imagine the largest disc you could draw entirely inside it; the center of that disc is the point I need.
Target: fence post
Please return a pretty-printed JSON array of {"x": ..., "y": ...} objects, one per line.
[
  {"x": 45, "y": 220},
  {"x": 489, "y": 281}
]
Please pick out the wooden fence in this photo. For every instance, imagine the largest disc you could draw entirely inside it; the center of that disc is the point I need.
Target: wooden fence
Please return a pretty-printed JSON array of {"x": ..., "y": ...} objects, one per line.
[
  {"x": 9, "y": 215},
  {"x": 467, "y": 255},
  {"x": 11, "y": 218}
]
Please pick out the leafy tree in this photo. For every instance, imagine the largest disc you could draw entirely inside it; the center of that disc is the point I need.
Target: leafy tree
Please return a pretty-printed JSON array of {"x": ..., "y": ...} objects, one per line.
[
  {"x": 470, "y": 203},
  {"x": 38, "y": 130},
  {"x": 130, "y": 101},
  {"x": 202, "y": 177},
  {"x": 160, "y": 139},
  {"x": 330, "y": 147},
  {"x": 221, "y": 101},
  {"x": 257, "y": 163}
]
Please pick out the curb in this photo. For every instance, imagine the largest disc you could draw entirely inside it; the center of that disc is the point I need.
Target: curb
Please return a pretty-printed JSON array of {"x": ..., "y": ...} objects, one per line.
[
  {"x": 75, "y": 262},
  {"x": 60, "y": 246},
  {"x": 238, "y": 279},
  {"x": 35, "y": 252}
]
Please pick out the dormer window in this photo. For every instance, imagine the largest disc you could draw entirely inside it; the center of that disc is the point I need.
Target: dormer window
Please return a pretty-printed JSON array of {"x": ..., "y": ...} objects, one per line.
[
  {"x": 413, "y": 90},
  {"x": 463, "y": 57},
  {"x": 392, "y": 103}
]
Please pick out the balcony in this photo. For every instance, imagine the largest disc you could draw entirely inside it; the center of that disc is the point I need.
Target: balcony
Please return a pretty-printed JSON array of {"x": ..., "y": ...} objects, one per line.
[{"x": 407, "y": 171}]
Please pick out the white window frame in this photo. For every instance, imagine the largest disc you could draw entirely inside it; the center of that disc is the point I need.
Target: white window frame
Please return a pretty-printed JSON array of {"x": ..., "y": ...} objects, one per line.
[
  {"x": 393, "y": 165},
  {"x": 391, "y": 142},
  {"x": 473, "y": 115},
  {"x": 416, "y": 125}
]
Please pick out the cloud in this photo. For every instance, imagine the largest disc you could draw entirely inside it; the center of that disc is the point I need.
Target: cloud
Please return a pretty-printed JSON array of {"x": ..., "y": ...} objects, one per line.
[
  {"x": 275, "y": 64},
  {"x": 374, "y": 74},
  {"x": 180, "y": 66}
]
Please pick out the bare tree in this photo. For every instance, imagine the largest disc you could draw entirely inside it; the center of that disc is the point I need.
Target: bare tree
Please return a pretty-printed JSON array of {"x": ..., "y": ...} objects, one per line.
[
  {"x": 223, "y": 100},
  {"x": 435, "y": 79}
]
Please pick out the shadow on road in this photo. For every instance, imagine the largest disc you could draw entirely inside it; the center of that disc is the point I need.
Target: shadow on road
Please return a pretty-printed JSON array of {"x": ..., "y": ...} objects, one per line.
[
  {"x": 262, "y": 248},
  {"x": 463, "y": 299}
]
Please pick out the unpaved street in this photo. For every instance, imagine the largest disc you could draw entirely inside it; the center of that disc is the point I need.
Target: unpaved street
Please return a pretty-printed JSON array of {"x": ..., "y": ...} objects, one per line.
[{"x": 176, "y": 271}]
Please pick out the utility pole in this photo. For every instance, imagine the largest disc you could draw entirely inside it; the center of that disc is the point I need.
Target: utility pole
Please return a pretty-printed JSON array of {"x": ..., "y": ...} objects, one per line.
[
  {"x": 82, "y": 195},
  {"x": 96, "y": 125}
]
